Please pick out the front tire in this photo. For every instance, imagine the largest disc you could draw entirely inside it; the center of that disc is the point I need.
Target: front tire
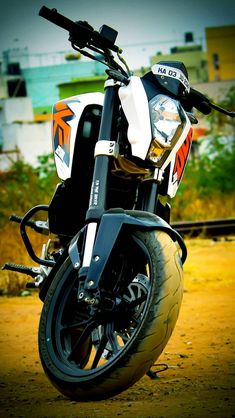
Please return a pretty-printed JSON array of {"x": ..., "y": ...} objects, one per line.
[{"x": 96, "y": 358}]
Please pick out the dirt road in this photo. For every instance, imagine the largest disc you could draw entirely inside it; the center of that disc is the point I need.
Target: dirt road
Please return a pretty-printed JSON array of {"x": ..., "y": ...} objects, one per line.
[{"x": 200, "y": 380}]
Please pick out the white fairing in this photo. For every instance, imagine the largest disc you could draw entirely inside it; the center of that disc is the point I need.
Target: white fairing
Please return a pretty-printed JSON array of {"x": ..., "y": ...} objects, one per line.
[
  {"x": 135, "y": 106},
  {"x": 65, "y": 128}
]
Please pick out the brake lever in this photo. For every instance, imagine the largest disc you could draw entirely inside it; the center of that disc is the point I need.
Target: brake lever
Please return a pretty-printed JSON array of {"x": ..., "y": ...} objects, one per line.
[{"x": 222, "y": 110}]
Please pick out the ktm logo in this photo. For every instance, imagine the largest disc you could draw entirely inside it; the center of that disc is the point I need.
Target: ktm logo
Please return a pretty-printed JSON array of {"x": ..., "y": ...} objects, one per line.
[
  {"x": 62, "y": 114},
  {"x": 182, "y": 156}
]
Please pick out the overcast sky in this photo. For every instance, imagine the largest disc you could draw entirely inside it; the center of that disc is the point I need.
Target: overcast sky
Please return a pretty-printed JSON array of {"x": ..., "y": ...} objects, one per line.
[{"x": 151, "y": 25}]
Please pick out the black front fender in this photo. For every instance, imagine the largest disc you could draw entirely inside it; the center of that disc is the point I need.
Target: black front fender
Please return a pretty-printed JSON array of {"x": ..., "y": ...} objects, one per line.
[{"x": 111, "y": 223}]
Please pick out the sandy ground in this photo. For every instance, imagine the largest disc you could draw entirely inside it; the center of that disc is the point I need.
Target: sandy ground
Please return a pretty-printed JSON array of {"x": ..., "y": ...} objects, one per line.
[{"x": 200, "y": 380}]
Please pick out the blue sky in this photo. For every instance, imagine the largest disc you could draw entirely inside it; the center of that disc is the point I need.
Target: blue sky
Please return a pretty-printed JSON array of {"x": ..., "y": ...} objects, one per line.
[{"x": 151, "y": 25}]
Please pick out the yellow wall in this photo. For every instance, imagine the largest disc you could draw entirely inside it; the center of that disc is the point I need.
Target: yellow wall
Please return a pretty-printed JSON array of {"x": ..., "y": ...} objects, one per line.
[{"x": 221, "y": 41}]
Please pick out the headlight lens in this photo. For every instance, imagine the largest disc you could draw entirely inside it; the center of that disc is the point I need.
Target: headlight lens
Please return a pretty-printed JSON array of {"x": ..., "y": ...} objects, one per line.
[{"x": 167, "y": 121}]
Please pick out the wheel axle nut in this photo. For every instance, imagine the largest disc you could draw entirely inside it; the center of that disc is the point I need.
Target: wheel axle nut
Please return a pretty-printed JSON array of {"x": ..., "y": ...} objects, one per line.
[
  {"x": 91, "y": 301},
  {"x": 90, "y": 283}
]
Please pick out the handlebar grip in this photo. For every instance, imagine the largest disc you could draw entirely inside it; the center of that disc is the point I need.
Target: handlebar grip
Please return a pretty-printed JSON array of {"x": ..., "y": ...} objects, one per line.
[
  {"x": 80, "y": 31},
  {"x": 53, "y": 16}
]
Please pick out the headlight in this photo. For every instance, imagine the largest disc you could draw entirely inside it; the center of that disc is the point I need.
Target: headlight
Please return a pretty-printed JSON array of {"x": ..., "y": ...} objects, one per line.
[{"x": 168, "y": 121}]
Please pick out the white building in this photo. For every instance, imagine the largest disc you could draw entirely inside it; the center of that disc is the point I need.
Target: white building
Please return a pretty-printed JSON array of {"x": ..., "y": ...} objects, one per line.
[{"x": 20, "y": 135}]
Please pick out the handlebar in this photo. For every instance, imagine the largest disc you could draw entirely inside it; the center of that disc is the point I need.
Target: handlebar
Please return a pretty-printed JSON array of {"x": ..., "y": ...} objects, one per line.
[{"x": 81, "y": 33}]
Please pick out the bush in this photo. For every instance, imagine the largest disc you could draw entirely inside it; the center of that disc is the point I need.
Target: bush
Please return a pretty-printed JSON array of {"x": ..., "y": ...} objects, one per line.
[
  {"x": 208, "y": 187},
  {"x": 24, "y": 186}
]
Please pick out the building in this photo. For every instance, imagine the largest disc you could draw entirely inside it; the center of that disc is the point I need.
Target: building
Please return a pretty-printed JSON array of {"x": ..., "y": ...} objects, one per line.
[
  {"x": 12, "y": 82},
  {"x": 212, "y": 72},
  {"x": 83, "y": 85},
  {"x": 221, "y": 53},
  {"x": 217, "y": 63},
  {"x": 38, "y": 75},
  {"x": 42, "y": 82},
  {"x": 27, "y": 95},
  {"x": 20, "y": 135}
]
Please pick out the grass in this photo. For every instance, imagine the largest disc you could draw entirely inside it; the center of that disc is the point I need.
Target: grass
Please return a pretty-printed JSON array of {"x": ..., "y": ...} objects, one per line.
[{"x": 191, "y": 207}]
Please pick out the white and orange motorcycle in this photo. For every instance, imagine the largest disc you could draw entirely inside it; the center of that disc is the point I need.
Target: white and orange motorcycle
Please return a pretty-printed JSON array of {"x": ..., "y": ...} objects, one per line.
[{"x": 112, "y": 280}]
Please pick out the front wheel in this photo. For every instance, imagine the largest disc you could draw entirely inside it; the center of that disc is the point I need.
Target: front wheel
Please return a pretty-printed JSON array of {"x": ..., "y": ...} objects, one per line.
[{"x": 91, "y": 354}]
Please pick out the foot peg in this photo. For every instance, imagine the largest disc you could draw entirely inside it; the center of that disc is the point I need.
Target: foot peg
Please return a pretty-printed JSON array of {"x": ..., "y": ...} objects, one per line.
[
  {"x": 30, "y": 271},
  {"x": 39, "y": 226}
]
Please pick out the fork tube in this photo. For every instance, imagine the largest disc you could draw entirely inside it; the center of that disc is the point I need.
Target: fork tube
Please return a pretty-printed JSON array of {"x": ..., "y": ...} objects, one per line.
[
  {"x": 97, "y": 203},
  {"x": 149, "y": 196}
]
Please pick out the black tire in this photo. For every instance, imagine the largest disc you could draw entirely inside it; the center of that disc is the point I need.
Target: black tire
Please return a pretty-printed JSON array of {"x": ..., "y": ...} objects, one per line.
[{"x": 148, "y": 270}]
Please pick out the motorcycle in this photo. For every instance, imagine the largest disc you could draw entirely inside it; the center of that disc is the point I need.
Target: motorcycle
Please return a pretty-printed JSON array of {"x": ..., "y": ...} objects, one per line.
[{"x": 111, "y": 276}]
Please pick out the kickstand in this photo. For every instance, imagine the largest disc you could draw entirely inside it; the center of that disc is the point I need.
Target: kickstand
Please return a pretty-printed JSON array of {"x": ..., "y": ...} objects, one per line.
[{"x": 154, "y": 375}]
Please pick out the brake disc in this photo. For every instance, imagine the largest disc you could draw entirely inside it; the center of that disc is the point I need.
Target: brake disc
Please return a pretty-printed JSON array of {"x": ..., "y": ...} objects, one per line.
[{"x": 137, "y": 289}]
